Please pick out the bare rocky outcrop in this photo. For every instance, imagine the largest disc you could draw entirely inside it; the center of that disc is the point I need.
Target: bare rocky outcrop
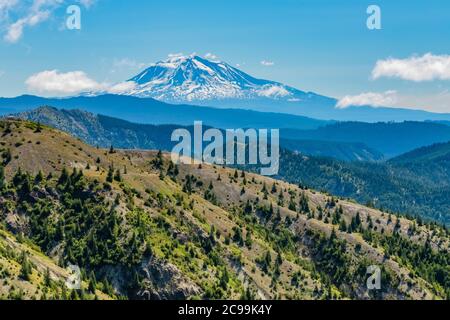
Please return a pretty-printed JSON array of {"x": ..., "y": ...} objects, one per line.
[{"x": 164, "y": 281}]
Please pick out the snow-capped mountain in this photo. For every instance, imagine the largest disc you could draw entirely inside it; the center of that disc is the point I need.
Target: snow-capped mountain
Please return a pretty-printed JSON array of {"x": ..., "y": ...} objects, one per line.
[
  {"x": 198, "y": 81},
  {"x": 193, "y": 78}
]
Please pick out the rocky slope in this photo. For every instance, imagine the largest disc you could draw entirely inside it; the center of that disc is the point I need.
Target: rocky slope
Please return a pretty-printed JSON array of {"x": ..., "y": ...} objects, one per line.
[{"x": 26, "y": 273}]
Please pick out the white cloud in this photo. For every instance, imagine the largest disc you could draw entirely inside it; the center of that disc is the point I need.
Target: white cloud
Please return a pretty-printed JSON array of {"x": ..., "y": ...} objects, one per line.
[
  {"x": 425, "y": 68},
  {"x": 434, "y": 102},
  {"x": 438, "y": 101},
  {"x": 274, "y": 92},
  {"x": 29, "y": 13},
  {"x": 87, "y": 3},
  {"x": 54, "y": 82},
  {"x": 15, "y": 30},
  {"x": 6, "y": 6},
  {"x": 211, "y": 56},
  {"x": 37, "y": 11},
  {"x": 385, "y": 99},
  {"x": 175, "y": 55},
  {"x": 267, "y": 63},
  {"x": 123, "y": 87},
  {"x": 2, "y": 73},
  {"x": 126, "y": 64}
]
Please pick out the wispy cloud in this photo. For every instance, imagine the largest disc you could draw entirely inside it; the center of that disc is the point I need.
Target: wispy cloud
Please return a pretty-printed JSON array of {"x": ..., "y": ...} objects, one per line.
[
  {"x": 6, "y": 6},
  {"x": 373, "y": 99},
  {"x": 175, "y": 55},
  {"x": 87, "y": 3},
  {"x": 424, "y": 68},
  {"x": 15, "y": 30},
  {"x": 122, "y": 87},
  {"x": 29, "y": 13},
  {"x": 127, "y": 64},
  {"x": 211, "y": 56},
  {"x": 267, "y": 63}
]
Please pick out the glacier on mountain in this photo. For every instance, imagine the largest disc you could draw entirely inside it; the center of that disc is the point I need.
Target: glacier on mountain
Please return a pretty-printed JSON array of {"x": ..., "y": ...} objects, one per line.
[{"x": 193, "y": 78}]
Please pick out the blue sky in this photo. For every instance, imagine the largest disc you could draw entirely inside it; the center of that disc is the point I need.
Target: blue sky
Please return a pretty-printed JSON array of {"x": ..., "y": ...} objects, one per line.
[{"x": 318, "y": 45}]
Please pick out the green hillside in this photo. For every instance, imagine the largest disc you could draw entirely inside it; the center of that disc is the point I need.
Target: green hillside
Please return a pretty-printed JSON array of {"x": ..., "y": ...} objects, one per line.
[
  {"x": 140, "y": 227},
  {"x": 412, "y": 188},
  {"x": 439, "y": 152}
]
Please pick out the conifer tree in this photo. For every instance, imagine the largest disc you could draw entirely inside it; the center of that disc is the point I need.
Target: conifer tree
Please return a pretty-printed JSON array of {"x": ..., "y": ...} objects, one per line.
[
  {"x": 274, "y": 188},
  {"x": 25, "y": 267},
  {"x": 38, "y": 128},
  {"x": 118, "y": 176},
  {"x": 110, "y": 176},
  {"x": 343, "y": 226},
  {"x": 47, "y": 278},
  {"x": 303, "y": 205},
  {"x": 2, "y": 178}
]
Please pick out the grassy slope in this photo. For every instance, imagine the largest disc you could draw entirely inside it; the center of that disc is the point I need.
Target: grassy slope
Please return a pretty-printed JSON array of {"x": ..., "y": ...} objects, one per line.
[{"x": 193, "y": 217}]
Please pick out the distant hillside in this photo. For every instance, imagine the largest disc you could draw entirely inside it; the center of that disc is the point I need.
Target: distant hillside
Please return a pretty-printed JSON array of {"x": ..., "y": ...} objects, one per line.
[
  {"x": 392, "y": 139},
  {"x": 106, "y": 131},
  {"x": 443, "y": 122},
  {"x": 347, "y": 151},
  {"x": 439, "y": 152},
  {"x": 150, "y": 111},
  {"x": 417, "y": 188},
  {"x": 140, "y": 227}
]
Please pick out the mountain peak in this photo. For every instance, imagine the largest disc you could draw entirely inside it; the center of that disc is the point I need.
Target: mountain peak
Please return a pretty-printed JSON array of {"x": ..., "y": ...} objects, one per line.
[
  {"x": 175, "y": 60},
  {"x": 194, "y": 78}
]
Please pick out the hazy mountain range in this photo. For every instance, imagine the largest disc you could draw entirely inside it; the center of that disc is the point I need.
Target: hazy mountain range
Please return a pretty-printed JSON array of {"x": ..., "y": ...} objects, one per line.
[
  {"x": 345, "y": 141},
  {"x": 151, "y": 111},
  {"x": 105, "y": 131}
]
